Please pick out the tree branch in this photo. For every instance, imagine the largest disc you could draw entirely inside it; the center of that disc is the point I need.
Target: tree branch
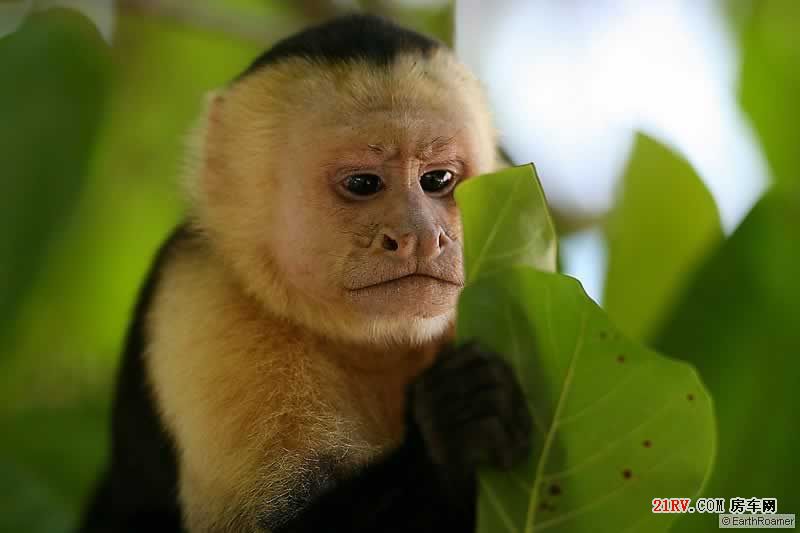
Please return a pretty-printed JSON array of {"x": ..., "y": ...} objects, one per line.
[{"x": 209, "y": 16}]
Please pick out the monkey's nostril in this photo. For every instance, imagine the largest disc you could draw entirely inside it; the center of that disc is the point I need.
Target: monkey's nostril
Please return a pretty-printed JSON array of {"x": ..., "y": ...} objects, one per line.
[{"x": 389, "y": 243}]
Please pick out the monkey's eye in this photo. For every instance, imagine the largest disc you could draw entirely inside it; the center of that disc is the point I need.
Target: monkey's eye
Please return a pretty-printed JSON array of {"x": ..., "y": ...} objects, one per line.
[
  {"x": 436, "y": 181},
  {"x": 363, "y": 184}
]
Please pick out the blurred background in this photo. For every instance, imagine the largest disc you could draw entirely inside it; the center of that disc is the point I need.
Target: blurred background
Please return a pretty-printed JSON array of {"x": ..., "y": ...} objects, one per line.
[{"x": 656, "y": 127}]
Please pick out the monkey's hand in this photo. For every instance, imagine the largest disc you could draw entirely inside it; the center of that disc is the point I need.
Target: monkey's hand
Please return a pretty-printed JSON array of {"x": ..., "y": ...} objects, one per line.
[
  {"x": 464, "y": 411},
  {"x": 470, "y": 411}
]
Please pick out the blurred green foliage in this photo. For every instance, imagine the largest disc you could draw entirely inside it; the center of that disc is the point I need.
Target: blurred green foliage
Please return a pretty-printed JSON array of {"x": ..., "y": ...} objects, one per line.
[
  {"x": 91, "y": 143},
  {"x": 770, "y": 81},
  {"x": 101, "y": 194},
  {"x": 52, "y": 102},
  {"x": 737, "y": 322},
  {"x": 53, "y": 91},
  {"x": 664, "y": 223}
]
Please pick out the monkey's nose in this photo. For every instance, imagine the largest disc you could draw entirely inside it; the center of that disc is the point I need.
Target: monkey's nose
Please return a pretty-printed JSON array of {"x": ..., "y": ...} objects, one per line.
[
  {"x": 402, "y": 245},
  {"x": 390, "y": 244},
  {"x": 425, "y": 245}
]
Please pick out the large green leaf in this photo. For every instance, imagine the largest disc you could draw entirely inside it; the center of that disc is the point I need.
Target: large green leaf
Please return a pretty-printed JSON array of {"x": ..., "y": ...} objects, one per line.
[
  {"x": 48, "y": 456},
  {"x": 53, "y": 79},
  {"x": 506, "y": 222},
  {"x": 81, "y": 300},
  {"x": 54, "y": 73},
  {"x": 770, "y": 81},
  {"x": 738, "y": 324},
  {"x": 106, "y": 228},
  {"x": 616, "y": 424},
  {"x": 662, "y": 226}
]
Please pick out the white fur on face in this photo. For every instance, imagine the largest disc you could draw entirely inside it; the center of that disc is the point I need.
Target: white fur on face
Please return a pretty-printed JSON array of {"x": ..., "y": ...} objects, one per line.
[{"x": 276, "y": 144}]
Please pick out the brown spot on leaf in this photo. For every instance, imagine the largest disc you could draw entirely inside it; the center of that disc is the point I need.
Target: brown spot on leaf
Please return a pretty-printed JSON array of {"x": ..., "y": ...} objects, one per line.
[
  {"x": 555, "y": 490},
  {"x": 647, "y": 444},
  {"x": 544, "y": 506},
  {"x": 690, "y": 397},
  {"x": 620, "y": 358},
  {"x": 627, "y": 474}
]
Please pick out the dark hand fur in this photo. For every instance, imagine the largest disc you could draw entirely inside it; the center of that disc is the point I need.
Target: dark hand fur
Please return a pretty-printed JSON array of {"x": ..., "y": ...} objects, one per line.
[{"x": 467, "y": 410}]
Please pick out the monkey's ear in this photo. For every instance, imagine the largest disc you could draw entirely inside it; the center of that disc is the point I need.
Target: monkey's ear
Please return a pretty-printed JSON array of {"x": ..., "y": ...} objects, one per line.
[
  {"x": 203, "y": 148},
  {"x": 213, "y": 106}
]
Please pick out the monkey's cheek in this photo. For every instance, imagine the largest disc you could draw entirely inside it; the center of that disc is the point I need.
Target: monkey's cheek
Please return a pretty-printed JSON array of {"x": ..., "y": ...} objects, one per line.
[{"x": 406, "y": 298}]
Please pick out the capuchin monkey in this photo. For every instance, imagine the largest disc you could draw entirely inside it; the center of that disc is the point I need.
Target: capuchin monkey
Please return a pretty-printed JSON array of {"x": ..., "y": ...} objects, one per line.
[{"x": 289, "y": 367}]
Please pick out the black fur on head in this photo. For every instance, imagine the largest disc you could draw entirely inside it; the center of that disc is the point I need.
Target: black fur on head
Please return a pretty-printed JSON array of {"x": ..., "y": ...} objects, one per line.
[{"x": 351, "y": 37}]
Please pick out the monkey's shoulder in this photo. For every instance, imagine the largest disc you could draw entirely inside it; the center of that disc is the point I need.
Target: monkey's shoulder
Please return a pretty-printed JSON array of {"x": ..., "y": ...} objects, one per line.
[{"x": 254, "y": 409}]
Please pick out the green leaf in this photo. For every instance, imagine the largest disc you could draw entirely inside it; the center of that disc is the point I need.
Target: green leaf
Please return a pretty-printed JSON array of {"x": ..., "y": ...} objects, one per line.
[
  {"x": 12, "y": 14},
  {"x": 52, "y": 86},
  {"x": 50, "y": 461},
  {"x": 80, "y": 300},
  {"x": 738, "y": 324},
  {"x": 506, "y": 222},
  {"x": 32, "y": 505},
  {"x": 616, "y": 423},
  {"x": 663, "y": 225},
  {"x": 770, "y": 82}
]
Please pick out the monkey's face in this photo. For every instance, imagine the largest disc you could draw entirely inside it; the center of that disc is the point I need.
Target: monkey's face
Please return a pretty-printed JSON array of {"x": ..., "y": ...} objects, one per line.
[
  {"x": 370, "y": 218},
  {"x": 343, "y": 191}
]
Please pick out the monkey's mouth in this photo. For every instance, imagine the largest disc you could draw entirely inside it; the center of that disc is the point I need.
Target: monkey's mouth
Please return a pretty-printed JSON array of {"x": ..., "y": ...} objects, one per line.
[
  {"x": 398, "y": 295},
  {"x": 412, "y": 279}
]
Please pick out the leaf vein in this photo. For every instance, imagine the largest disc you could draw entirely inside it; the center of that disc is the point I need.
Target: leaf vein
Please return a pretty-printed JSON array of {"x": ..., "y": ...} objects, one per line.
[
  {"x": 493, "y": 233},
  {"x": 621, "y": 487},
  {"x": 552, "y": 430},
  {"x": 606, "y": 395},
  {"x": 613, "y": 444},
  {"x": 498, "y": 507}
]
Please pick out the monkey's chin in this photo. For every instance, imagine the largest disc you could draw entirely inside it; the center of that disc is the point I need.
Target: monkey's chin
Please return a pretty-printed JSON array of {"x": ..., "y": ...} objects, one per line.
[
  {"x": 414, "y": 331},
  {"x": 415, "y": 309}
]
